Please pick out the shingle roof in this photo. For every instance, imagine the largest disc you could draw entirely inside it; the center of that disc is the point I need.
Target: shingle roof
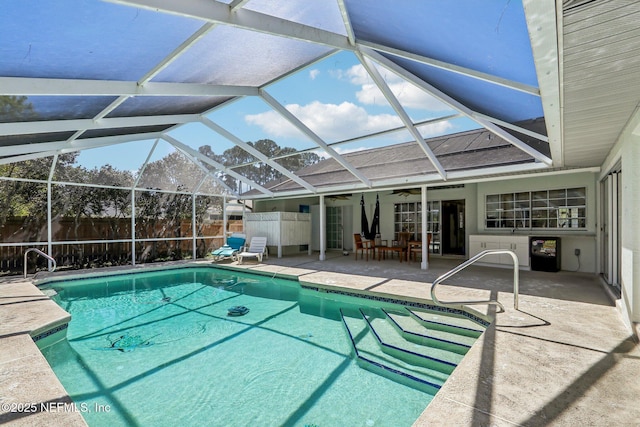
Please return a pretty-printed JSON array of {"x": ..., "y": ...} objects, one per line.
[{"x": 461, "y": 151}]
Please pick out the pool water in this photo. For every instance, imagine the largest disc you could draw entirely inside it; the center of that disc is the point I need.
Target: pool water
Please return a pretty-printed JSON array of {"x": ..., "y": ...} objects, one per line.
[{"x": 156, "y": 349}]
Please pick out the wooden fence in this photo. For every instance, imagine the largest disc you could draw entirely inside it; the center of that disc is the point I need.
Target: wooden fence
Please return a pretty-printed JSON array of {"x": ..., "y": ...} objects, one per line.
[{"x": 155, "y": 242}]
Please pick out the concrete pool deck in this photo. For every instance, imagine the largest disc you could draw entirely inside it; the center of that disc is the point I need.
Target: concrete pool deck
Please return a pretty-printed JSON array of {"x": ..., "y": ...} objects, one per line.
[{"x": 564, "y": 358}]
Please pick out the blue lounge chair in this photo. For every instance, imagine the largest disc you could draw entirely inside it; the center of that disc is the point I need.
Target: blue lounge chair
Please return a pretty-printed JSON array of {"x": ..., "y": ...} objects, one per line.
[{"x": 230, "y": 250}]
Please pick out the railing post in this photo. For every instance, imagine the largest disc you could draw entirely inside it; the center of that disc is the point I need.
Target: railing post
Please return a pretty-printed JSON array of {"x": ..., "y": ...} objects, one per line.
[
  {"x": 516, "y": 279},
  {"x": 39, "y": 252}
]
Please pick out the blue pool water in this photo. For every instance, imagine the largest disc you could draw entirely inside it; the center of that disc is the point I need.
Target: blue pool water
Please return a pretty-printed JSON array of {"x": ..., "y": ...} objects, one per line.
[{"x": 158, "y": 348}]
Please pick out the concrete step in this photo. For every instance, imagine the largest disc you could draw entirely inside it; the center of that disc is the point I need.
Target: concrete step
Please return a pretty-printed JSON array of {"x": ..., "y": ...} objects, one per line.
[
  {"x": 425, "y": 333},
  {"x": 447, "y": 322},
  {"x": 430, "y": 352},
  {"x": 370, "y": 355}
]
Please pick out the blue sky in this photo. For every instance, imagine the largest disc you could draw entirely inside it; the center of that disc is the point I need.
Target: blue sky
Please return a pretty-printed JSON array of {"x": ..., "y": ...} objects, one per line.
[{"x": 334, "y": 98}]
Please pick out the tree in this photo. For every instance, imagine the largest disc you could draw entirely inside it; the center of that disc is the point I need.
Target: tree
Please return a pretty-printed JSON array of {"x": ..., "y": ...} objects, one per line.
[
  {"x": 260, "y": 173},
  {"x": 15, "y": 109}
]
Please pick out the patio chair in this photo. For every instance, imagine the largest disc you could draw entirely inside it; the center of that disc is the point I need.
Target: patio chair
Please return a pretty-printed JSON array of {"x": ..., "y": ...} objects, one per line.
[
  {"x": 364, "y": 247},
  {"x": 234, "y": 243},
  {"x": 257, "y": 248},
  {"x": 415, "y": 248}
]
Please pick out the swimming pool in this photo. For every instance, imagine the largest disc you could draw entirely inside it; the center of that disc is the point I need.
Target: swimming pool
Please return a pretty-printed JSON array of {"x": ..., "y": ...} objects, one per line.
[{"x": 159, "y": 348}]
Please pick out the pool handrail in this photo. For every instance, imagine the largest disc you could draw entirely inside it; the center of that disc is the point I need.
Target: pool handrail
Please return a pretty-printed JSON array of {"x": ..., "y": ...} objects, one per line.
[
  {"x": 39, "y": 252},
  {"x": 472, "y": 260}
]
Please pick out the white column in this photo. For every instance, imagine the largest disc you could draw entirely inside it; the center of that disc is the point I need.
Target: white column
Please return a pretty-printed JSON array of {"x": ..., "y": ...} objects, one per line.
[
  {"x": 244, "y": 213},
  {"x": 133, "y": 226},
  {"x": 309, "y": 248},
  {"x": 49, "y": 231},
  {"x": 224, "y": 220},
  {"x": 323, "y": 233},
  {"x": 49, "y": 217},
  {"x": 425, "y": 248},
  {"x": 194, "y": 227}
]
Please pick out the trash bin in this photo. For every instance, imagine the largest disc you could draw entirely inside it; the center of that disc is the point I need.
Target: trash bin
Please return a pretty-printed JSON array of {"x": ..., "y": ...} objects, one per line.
[{"x": 545, "y": 253}]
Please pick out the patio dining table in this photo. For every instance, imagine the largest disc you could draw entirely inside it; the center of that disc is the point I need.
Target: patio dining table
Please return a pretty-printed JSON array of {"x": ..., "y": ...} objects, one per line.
[{"x": 382, "y": 251}]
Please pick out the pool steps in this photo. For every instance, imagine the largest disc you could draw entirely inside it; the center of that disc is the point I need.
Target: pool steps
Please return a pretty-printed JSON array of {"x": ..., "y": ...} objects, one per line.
[
  {"x": 432, "y": 333},
  {"x": 449, "y": 322},
  {"x": 405, "y": 346}
]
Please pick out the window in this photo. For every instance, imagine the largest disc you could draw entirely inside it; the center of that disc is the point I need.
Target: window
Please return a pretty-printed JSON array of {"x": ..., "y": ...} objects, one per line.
[
  {"x": 408, "y": 217},
  {"x": 564, "y": 208}
]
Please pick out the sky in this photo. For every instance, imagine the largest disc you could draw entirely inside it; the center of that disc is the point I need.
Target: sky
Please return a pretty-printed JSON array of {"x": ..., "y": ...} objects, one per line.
[{"x": 335, "y": 98}]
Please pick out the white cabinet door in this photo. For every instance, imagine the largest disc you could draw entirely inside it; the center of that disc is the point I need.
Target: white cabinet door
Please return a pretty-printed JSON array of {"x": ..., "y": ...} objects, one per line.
[
  {"x": 475, "y": 246},
  {"x": 517, "y": 244},
  {"x": 521, "y": 248},
  {"x": 492, "y": 244}
]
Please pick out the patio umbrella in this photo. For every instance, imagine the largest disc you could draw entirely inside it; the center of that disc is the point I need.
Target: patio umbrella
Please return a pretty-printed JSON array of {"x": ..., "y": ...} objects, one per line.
[{"x": 364, "y": 224}]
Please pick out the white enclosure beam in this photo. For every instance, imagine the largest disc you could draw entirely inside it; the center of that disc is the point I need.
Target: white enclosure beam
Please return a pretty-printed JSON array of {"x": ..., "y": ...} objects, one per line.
[
  {"x": 237, "y": 4},
  {"x": 512, "y": 127},
  {"x": 224, "y": 220},
  {"x": 323, "y": 229},
  {"x": 257, "y": 154},
  {"x": 395, "y": 104},
  {"x": 194, "y": 228},
  {"x": 443, "y": 97},
  {"x": 146, "y": 162},
  {"x": 222, "y": 168},
  {"x": 29, "y": 86},
  {"x": 21, "y": 128},
  {"x": 25, "y": 157},
  {"x": 209, "y": 173},
  {"x": 159, "y": 67},
  {"x": 177, "y": 52},
  {"x": 77, "y": 145},
  {"x": 454, "y": 177},
  {"x": 424, "y": 265},
  {"x": 218, "y": 12},
  {"x": 347, "y": 22},
  {"x": 490, "y": 78},
  {"x": 544, "y": 20},
  {"x": 304, "y": 129},
  {"x": 372, "y": 135},
  {"x": 115, "y": 104}
]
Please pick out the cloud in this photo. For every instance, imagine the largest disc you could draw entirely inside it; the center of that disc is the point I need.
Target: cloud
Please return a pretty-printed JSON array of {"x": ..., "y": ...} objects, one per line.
[
  {"x": 408, "y": 94},
  {"x": 336, "y": 122},
  {"x": 332, "y": 122},
  {"x": 341, "y": 150},
  {"x": 435, "y": 129}
]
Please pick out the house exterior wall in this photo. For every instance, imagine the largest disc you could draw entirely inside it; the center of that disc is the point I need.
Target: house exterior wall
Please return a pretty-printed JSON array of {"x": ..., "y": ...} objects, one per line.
[
  {"x": 474, "y": 195},
  {"x": 630, "y": 267},
  {"x": 585, "y": 239},
  {"x": 626, "y": 152}
]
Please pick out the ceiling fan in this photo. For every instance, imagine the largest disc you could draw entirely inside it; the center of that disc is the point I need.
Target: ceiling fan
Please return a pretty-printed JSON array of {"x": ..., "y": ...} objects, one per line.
[
  {"x": 339, "y": 197},
  {"x": 407, "y": 191}
]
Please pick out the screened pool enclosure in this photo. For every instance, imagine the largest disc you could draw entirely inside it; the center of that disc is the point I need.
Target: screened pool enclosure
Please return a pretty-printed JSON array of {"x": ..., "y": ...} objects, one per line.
[{"x": 128, "y": 127}]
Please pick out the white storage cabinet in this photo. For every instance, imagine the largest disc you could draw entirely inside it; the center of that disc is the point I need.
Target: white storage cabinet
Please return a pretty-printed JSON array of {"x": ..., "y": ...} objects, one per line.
[{"x": 517, "y": 244}]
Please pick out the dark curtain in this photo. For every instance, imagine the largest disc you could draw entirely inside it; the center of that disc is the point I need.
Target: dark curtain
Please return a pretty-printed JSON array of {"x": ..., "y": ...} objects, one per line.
[
  {"x": 364, "y": 224},
  {"x": 375, "y": 223}
]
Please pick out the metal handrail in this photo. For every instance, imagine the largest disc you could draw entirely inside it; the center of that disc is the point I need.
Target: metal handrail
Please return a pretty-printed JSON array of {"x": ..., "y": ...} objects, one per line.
[
  {"x": 516, "y": 279},
  {"x": 39, "y": 252}
]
